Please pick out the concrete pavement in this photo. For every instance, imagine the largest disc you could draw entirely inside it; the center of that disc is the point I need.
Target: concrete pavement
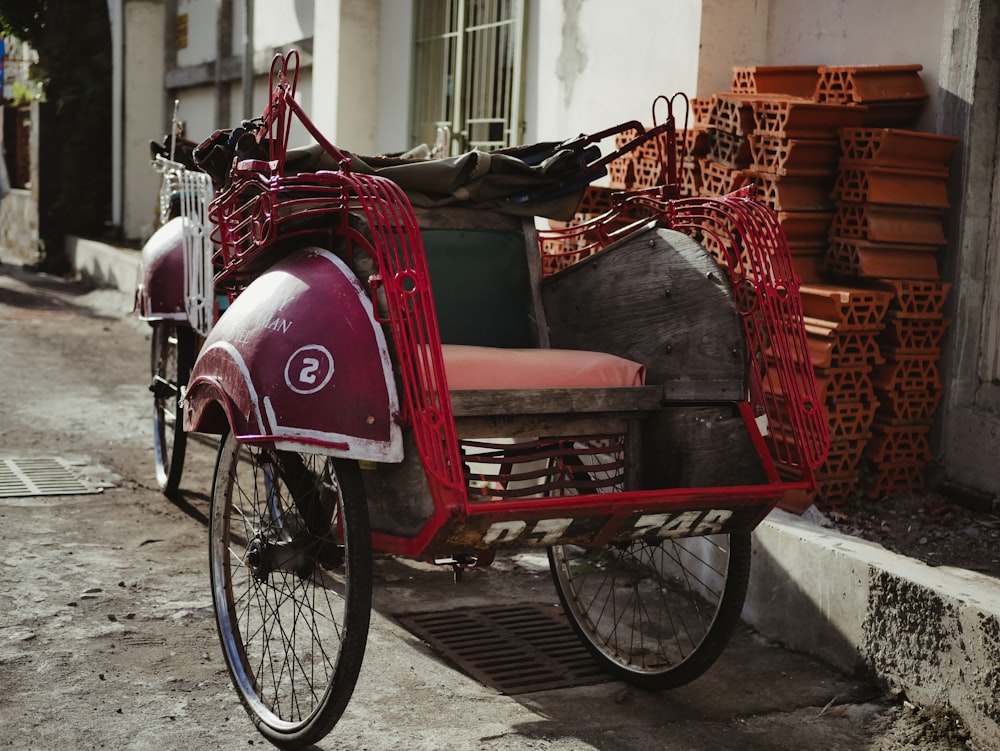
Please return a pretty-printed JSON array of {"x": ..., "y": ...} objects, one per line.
[{"x": 930, "y": 633}]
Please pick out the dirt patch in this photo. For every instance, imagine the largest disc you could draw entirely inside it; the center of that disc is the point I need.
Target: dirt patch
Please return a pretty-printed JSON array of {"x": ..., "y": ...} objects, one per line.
[
  {"x": 906, "y": 726},
  {"x": 929, "y": 527}
]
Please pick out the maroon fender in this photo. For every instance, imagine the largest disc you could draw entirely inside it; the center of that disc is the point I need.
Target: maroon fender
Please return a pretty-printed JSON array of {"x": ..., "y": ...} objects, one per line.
[
  {"x": 299, "y": 361},
  {"x": 159, "y": 293}
]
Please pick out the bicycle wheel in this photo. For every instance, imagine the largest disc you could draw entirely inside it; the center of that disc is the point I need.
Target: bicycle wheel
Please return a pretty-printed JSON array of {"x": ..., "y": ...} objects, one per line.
[
  {"x": 654, "y": 612},
  {"x": 172, "y": 356},
  {"x": 291, "y": 573}
]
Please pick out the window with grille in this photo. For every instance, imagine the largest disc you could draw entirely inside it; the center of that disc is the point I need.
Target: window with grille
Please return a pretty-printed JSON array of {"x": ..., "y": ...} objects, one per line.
[{"x": 468, "y": 57}]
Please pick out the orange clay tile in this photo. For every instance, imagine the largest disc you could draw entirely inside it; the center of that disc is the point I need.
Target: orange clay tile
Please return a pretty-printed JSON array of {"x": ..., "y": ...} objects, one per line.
[
  {"x": 808, "y": 267},
  {"x": 915, "y": 298},
  {"x": 845, "y": 420},
  {"x": 907, "y": 373},
  {"x": 850, "y": 308},
  {"x": 898, "y": 444},
  {"x": 718, "y": 179},
  {"x": 834, "y": 491},
  {"x": 798, "y": 118},
  {"x": 893, "y": 147},
  {"x": 887, "y": 223},
  {"x": 898, "y": 113},
  {"x": 861, "y": 183},
  {"x": 695, "y": 141},
  {"x": 829, "y": 348},
  {"x": 794, "y": 157},
  {"x": 701, "y": 110},
  {"x": 849, "y": 419},
  {"x": 908, "y": 407},
  {"x": 690, "y": 178},
  {"x": 889, "y": 479},
  {"x": 913, "y": 334},
  {"x": 730, "y": 149},
  {"x": 862, "y": 84},
  {"x": 843, "y": 457},
  {"x": 732, "y": 113},
  {"x": 859, "y": 258},
  {"x": 792, "y": 80},
  {"x": 792, "y": 193},
  {"x": 797, "y": 501},
  {"x": 847, "y": 384},
  {"x": 806, "y": 226}
]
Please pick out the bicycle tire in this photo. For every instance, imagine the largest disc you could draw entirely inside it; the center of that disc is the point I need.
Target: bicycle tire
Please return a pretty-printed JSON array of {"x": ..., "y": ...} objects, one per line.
[
  {"x": 656, "y": 613},
  {"x": 172, "y": 357},
  {"x": 291, "y": 573}
]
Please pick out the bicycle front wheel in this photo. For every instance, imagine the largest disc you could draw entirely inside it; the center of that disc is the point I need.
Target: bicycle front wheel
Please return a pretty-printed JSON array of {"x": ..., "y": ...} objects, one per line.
[
  {"x": 655, "y": 613},
  {"x": 291, "y": 572},
  {"x": 172, "y": 356}
]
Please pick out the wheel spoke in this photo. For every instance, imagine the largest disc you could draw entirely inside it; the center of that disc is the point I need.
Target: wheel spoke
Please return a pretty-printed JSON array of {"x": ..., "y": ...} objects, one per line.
[
  {"x": 171, "y": 356},
  {"x": 655, "y": 612},
  {"x": 292, "y": 630}
]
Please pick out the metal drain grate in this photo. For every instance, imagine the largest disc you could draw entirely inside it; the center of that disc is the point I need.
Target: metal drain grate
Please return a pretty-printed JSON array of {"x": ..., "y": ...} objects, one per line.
[
  {"x": 20, "y": 478},
  {"x": 514, "y": 649}
]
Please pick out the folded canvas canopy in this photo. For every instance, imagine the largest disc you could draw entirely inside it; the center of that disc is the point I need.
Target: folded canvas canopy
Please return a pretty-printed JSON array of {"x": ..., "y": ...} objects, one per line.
[{"x": 544, "y": 179}]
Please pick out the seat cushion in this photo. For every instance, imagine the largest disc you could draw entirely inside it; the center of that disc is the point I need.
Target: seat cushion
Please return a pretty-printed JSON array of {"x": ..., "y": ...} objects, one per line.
[{"x": 469, "y": 367}]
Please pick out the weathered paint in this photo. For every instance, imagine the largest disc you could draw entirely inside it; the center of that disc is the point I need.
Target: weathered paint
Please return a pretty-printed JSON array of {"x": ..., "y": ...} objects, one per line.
[
  {"x": 160, "y": 293},
  {"x": 299, "y": 361}
]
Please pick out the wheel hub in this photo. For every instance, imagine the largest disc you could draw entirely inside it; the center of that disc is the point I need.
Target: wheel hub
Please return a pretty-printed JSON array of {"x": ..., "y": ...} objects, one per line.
[{"x": 263, "y": 557}]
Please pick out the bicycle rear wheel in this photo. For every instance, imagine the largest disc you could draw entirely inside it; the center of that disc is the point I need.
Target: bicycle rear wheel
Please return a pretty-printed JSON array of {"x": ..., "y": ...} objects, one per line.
[
  {"x": 291, "y": 572},
  {"x": 655, "y": 613},
  {"x": 172, "y": 357}
]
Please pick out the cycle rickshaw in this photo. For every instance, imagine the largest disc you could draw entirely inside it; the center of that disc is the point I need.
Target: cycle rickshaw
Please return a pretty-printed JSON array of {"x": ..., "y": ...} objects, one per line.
[
  {"x": 398, "y": 373},
  {"x": 175, "y": 294}
]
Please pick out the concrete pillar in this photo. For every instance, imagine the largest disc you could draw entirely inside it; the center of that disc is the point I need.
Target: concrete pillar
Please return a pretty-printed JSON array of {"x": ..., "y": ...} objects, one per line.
[
  {"x": 345, "y": 80},
  {"x": 142, "y": 97}
]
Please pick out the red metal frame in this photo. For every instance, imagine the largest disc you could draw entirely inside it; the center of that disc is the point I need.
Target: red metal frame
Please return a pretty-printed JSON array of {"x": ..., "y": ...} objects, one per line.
[{"x": 262, "y": 206}]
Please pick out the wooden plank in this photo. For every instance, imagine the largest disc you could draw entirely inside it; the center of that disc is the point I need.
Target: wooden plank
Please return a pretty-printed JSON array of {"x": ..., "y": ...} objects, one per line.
[
  {"x": 480, "y": 402},
  {"x": 534, "y": 426}
]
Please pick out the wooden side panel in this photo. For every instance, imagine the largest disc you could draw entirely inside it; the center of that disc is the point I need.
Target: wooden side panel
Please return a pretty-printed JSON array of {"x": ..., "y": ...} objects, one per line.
[{"x": 656, "y": 297}]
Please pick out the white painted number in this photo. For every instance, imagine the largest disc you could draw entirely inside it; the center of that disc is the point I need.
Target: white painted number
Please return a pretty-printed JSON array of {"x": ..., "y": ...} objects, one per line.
[{"x": 308, "y": 372}]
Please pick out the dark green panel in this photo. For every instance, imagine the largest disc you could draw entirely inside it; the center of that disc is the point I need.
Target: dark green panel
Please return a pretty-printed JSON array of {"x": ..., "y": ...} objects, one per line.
[{"x": 481, "y": 288}]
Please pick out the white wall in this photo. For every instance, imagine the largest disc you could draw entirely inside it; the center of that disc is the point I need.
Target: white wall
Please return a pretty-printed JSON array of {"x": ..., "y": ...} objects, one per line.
[
  {"x": 861, "y": 32},
  {"x": 276, "y": 23},
  {"x": 201, "y": 31},
  {"x": 394, "y": 76},
  {"x": 595, "y": 63},
  {"x": 142, "y": 98}
]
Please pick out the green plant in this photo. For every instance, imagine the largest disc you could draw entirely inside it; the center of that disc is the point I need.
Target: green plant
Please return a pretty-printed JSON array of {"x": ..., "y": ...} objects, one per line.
[{"x": 22, "y": 93}]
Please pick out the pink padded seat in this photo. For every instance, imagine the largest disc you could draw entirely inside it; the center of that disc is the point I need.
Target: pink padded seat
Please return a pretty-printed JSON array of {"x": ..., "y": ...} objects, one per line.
[{"x": 492, "y": 368}]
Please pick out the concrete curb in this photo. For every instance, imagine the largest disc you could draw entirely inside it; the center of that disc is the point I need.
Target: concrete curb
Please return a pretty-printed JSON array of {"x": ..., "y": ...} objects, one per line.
[
  {"x": 932, "y": 633},
  {"x": 102, "y": 264}
]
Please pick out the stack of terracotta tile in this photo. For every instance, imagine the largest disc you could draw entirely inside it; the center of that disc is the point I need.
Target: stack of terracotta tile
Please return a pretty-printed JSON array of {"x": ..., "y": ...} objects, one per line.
[
  {"x": 842, "y": 329},
  {"x": 891, "y": 195},
  {"x": 907, "y": 384},
  {"x": 793, "y": 152},
  {"x": 730, "y": 122}
]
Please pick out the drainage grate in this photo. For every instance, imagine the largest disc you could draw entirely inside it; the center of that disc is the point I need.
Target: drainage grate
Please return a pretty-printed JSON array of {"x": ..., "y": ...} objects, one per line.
[
  {"x": 41, "y": 476},
  {"x": 515, "y": 649}
]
